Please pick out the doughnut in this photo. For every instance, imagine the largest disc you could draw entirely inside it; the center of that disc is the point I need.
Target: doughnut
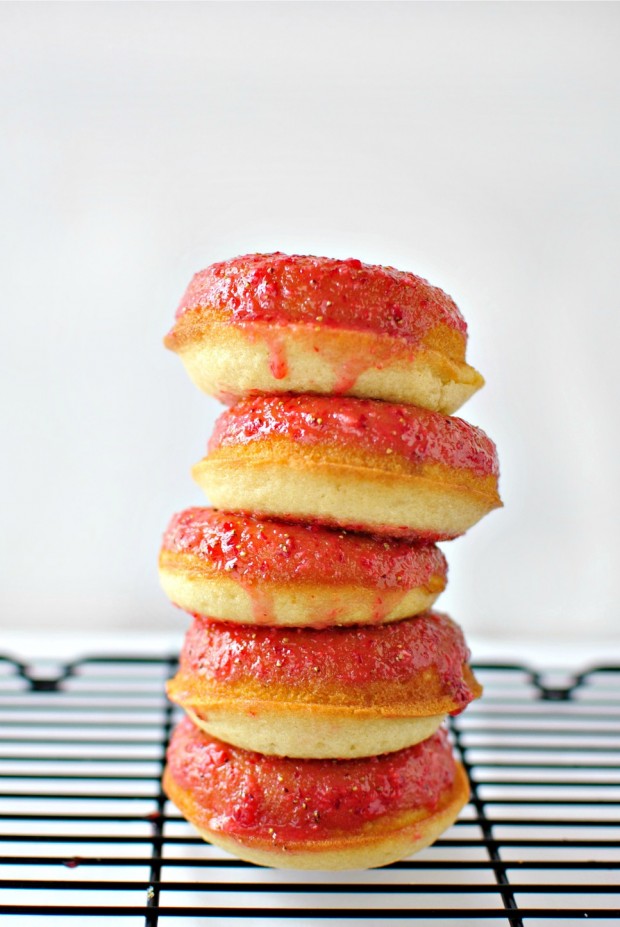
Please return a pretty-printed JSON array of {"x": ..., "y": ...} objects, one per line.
[
  {"x": 360, "y": 464},
  {"x": 269, "y": 323},
  {"x": 314, "y": 814},
  {"x": 256, "y": 571},
  {"x": 334, "y": 692}
]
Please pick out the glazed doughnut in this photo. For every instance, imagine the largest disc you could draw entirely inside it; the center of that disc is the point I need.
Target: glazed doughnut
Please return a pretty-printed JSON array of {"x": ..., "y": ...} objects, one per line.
[
  {"x": 335, "y": 692},
  {"x": 256, "y": 571},
  {"x": 315, "y": 814},
  {"x": 271, "y": 323},
  {"x": 357, "y": 463}
]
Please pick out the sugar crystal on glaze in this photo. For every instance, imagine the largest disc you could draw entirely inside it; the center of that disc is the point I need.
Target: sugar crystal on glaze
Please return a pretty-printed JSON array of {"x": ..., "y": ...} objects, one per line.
[{"x": 415, "y": 434}]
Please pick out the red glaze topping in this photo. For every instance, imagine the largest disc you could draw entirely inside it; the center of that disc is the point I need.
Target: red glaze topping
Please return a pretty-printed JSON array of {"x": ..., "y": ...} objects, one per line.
[
  {"x": 279, "y": 289},
  {"x": 330, "y": 657},
  {"x": 377, "y": 427},
  {"x": 247, "y": 794},
  {"x": 252, "y": 549}
]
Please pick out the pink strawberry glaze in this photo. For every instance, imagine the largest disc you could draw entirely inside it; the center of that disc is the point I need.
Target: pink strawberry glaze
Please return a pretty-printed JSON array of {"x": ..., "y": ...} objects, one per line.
[
  {"x": 252, "y": 549},
  {"x": 279, "y": 289},
  {"x": 242, "y": 793},
  {"x": 330, "y": 657},
  {"x": 383, "y": 428}
]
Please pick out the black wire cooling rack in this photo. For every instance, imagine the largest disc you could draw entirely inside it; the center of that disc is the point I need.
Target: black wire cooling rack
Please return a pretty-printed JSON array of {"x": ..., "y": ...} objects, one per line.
[{"x": 87, "y": 835}]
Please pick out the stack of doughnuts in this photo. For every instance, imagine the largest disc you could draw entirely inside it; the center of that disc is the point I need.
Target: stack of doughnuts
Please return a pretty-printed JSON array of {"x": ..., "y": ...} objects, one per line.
[{"x": 316, "y": 677}]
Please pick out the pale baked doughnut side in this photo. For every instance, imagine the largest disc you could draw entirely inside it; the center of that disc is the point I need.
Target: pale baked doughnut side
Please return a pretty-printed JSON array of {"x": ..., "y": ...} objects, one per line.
[
  {"x": 229, "y": 361},
  {"x": 355, "y": 498},
  {"x": 312, "y": 732},
  {"x": 310, "y": 605}
]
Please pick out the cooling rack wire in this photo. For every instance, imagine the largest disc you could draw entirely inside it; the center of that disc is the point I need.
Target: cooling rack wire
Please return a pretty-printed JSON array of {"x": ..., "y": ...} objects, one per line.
[{"x": 88, "y": 838}]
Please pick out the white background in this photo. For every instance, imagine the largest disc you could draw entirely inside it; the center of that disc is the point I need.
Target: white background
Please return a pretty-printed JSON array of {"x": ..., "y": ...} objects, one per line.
[{"x": 475, "y": 144}]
